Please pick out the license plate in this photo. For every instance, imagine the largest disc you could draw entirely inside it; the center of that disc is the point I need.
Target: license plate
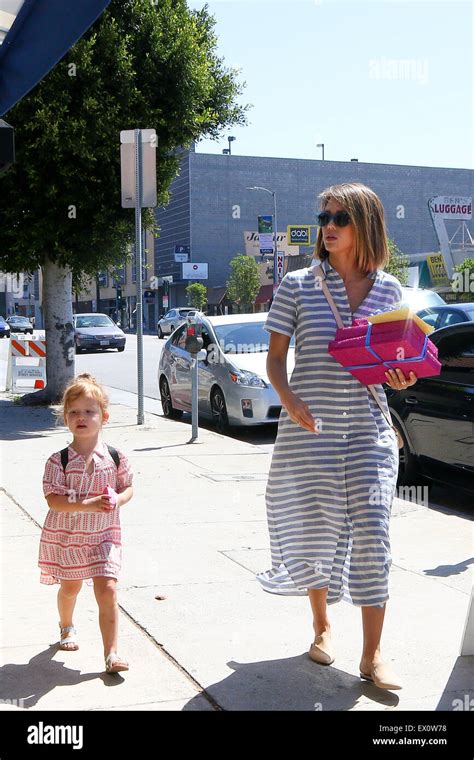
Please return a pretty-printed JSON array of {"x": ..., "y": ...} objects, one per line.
[{"x": 104, "y": 342}]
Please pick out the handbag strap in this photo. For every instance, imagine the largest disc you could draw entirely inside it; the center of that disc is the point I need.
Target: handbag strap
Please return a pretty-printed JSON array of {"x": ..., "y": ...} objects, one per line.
[{"x": 340, "y": 323}]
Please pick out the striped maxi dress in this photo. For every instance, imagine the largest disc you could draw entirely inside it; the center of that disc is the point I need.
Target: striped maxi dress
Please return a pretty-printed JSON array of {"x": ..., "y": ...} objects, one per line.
[{"x": 329, "y": 495}]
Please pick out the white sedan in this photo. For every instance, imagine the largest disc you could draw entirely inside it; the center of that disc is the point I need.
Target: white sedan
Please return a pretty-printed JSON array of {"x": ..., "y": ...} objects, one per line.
[{"x": 234, "y": 388}]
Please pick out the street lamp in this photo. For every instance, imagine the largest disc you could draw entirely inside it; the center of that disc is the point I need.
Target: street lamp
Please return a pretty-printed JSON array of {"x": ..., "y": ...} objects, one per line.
[
  {"x": 275, "y": 228},
  {"x": 230, "y": 140},
  {"x": 321, "y": 145}
]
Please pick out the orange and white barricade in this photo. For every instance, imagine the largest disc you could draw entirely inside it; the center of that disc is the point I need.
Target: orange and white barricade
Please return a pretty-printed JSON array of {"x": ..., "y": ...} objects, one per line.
[{"x": 26, "y": 369}]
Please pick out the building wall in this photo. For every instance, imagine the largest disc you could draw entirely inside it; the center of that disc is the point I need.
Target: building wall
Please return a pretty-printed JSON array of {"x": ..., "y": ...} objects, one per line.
[{"x": 211, "y": 191}]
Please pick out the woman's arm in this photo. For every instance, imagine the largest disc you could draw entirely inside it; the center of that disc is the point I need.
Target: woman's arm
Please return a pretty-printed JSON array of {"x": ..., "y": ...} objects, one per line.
[{"x": 298, "y": 411}]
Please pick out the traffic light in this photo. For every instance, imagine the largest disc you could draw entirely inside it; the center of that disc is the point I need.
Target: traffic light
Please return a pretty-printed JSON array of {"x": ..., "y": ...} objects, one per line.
[{"x": 166, "y": 287}]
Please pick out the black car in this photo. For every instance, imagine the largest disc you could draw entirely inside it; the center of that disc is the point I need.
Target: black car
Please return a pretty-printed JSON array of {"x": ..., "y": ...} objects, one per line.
[
  {"x": 449, "y": 314},
  {"x": 19, "y": 324},
  {"x": 4, "y": 328},
  {"x": 435, "y": 416}
]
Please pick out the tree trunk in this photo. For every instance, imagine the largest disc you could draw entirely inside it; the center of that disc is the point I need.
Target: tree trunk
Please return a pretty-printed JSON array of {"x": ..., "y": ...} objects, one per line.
[{"x": 60, "y": 344}]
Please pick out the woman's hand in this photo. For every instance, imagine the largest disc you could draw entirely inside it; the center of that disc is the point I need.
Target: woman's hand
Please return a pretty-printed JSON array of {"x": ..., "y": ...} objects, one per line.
[
  {"x": 299, "y": 412},
  {"x": 397, "y": 380}
]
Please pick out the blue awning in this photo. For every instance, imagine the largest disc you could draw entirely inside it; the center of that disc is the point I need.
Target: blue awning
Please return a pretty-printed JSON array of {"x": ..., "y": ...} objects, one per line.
[{"x": 34, "y": 36}]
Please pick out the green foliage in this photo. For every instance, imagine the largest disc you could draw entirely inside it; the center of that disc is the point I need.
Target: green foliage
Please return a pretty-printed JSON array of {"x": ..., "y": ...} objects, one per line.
[
  {"x": 243, "y": 284},
  {"x": 197, "y": 295},
  {"x": 142, "y": 64},
  {"x": 398, "y": 263}
]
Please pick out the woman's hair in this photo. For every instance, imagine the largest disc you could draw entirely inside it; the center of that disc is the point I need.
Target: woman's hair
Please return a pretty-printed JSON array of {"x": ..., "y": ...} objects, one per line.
[
  {"x": 84, "y": 385},
  {"x": 367, "y": 216}
]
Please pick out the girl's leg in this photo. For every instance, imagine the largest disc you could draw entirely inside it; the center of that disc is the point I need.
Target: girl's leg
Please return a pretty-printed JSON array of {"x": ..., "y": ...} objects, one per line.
[
  {"x": 106, "y": 595},
  {"x": 67, "y": 596},
  {"x": 317, "y": 597}
]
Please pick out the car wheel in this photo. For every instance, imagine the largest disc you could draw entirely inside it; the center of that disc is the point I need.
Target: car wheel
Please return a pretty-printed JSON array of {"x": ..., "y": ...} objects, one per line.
[
  {"x": 120, "y": 349},
  {"x": 408, "y": 469},
  {"x": 160, "y": 333},
  {"x": 219, "y": 411},
  {"x": 168, "y": 409}
]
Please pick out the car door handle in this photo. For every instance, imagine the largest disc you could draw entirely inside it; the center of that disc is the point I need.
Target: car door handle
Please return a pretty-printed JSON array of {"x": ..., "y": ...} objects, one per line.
[{"x": 411, "y": 400}]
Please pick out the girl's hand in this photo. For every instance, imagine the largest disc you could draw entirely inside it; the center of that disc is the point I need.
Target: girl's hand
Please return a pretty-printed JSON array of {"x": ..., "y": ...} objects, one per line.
[
  {"x": 300, "y": 413},
  {"x": 97, "y": 504},
  {"x": 397, "y": 380}
]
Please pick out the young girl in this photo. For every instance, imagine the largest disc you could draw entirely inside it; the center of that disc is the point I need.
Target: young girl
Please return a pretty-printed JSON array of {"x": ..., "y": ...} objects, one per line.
[{"x": 84, "y": 488}]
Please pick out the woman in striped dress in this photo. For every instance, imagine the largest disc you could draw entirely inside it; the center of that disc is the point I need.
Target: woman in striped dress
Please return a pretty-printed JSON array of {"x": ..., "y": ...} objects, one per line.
[{"x": 334, "y": 468}]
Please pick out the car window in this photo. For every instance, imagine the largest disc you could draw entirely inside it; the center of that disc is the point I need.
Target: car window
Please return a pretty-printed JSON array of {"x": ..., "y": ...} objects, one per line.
[
  {"x": 179, "y": 336},
  {"x": 451, "y": 317},
  {"x": 244, "y": 338},
  {"x": 430, "y": 317},
  {"x": 457, "y": 352},
  {"x": 94, "y": 320}
]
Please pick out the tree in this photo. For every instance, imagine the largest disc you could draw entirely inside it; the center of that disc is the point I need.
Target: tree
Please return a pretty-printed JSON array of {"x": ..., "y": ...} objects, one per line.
[
  {"x": 398, "y": 263},
  {"x": 243, "y": 284},
  {"x": 197, "y": 295},
  {"x": 143, "y": 63},
  {"x": 463, "y": 280}
]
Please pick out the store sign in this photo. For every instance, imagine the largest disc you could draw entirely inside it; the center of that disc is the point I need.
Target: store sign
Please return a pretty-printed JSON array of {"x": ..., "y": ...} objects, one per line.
[
  {"x": 438, "y": 273},
  {"x": 451, "y": 207},
  {"x": 298, "y": 234},
  {"x": 195, "y": 271}
]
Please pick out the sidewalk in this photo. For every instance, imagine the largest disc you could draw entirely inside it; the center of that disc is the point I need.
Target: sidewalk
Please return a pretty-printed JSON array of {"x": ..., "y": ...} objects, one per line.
[{"x": 196, "y": 532}]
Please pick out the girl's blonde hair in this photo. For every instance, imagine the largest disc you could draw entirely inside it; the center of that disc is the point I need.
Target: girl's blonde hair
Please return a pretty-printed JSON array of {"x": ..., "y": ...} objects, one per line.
[
  {"x": 84, "y": 385},
  {"x": 367, "y": 215}
]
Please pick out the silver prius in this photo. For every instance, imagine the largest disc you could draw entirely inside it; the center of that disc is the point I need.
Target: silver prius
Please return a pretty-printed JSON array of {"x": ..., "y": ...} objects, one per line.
[{"x": 234, "y": 388}]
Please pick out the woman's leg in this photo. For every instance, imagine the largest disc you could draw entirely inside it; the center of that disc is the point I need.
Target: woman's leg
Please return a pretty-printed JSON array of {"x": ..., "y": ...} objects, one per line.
[
  {"x": 372, "y": 624},
  {"x": 317, "y": 597},
  {"x": 67, "y": 596},
  {"x": 106, "y": 596}
]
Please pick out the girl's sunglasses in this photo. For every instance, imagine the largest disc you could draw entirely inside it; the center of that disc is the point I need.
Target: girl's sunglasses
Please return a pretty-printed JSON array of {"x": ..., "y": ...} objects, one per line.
[{"x": 340, "y": 218}]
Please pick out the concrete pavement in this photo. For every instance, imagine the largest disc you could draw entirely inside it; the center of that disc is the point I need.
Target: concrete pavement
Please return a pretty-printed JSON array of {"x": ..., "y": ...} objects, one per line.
[{"x": 196, "y": 533}]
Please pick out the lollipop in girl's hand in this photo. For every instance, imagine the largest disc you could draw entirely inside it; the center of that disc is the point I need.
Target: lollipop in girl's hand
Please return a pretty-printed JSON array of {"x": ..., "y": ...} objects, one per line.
[{"x": 113, "y": 496}]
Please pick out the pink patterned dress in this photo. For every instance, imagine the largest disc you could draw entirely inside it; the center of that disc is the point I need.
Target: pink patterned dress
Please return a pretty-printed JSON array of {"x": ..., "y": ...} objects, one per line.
[{"x": 80, "y": 545}]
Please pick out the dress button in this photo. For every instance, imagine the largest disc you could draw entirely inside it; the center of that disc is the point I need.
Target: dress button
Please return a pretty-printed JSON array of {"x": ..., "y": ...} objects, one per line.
[
  {"x": 344, "y": 436},
  {"x": 344, "y": 413}
]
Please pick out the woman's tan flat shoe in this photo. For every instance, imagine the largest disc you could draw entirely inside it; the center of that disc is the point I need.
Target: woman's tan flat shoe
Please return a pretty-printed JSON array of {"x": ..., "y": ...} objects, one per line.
[
  {"x": 384, "y": 677},
  {"x": 321, "y": 650}
]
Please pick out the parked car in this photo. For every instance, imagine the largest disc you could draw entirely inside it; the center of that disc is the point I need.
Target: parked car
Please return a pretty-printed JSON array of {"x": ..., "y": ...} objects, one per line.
[
  {"x": 449, "y": 314},
  {"x": 420, "y": 298},
  {"x": 435, "y": 416},
  {"x": 173, "y": 319},
  {"x": 97, "y": 331},
  {"x": 4, "y": 328},
  {"x": 234, "y": 388},
  {"x": 20, "y": 324}
]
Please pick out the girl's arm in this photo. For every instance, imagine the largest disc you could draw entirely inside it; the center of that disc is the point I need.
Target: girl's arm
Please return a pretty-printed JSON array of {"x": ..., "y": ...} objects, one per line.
[
  {"x": 71, "y": 503},
  {"x": 124, "y": 496}
]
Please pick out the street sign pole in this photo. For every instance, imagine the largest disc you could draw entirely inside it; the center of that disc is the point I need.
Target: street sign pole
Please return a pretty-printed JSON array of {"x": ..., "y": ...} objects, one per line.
[
  {"x": 139, "y": 264},
  {"x": 138, "y": 177}
]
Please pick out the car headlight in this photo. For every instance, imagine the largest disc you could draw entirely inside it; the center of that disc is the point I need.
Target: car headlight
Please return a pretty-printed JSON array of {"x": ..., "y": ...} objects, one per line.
[
  {"x": 243, "y": 377},
  {"x": 80, "y": 336},
  {"x": 119, "y": 336}
]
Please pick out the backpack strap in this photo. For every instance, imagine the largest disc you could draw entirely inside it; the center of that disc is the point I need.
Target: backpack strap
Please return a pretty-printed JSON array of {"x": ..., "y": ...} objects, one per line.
[
  {"x": 64, "y": 457},
  {"x": 114, "y": 454},
  {"x": 64, "y": 453}
]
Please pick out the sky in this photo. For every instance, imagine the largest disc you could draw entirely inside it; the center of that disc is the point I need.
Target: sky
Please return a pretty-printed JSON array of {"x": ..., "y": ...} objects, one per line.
[{"x": 384, "y": 81}]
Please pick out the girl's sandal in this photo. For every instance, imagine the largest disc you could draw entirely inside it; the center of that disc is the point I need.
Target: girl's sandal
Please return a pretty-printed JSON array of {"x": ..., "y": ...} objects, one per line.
[
  {"x": 114, "y": 663},
  {"x": 68, "y": 636}
]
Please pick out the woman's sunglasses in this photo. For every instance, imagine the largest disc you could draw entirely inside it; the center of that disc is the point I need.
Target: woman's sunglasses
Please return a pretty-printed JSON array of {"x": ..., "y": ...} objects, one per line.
[{"x": 340, "y": 218}]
